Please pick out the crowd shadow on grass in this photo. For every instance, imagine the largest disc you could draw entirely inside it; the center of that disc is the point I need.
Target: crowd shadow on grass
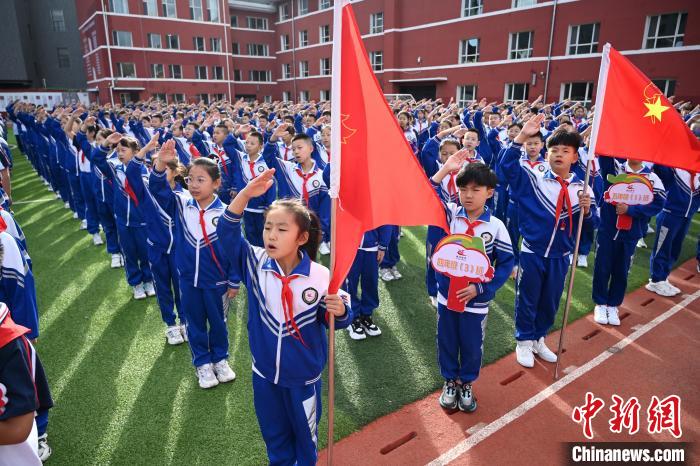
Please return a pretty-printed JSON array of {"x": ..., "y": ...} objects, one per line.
[{"x": 90, "y": 396}]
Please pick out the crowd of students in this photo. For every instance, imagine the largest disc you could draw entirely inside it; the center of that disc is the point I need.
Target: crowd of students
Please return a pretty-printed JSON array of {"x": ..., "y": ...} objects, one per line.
[{"x": 195, "y": 199}]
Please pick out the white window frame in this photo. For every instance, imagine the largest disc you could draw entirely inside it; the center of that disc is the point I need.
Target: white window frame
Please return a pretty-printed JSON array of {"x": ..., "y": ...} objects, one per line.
[
  {"x": 322, "y": 69},
  {"x": 215, "y": 44},
  {"x": 523, "y": 3},
  {"x": 325, "y": 95},
  {"x": 169, "y": 37},
  {"x": 58, "y": 20},
  {"x": 265, "y": 74},
  {"x": 159, "y": 96},
  {"x": 116, "y": 41},
  {"x": 63, "y": 57},
  {"x": 461, "y": 94},
  {"x": 169, "y": 8},
  {"x": 195, "y": 45},
  {"x": 253, "y": 50},
  {"x": 196, "y": 10},
  {"x": 676, "y": 36},
  {"x": 213, "y": 6},
  {"x": 506, "y": 97},
  {"x": 214, "y": 68},
  {"x": 463, "y": 56},
  {"x": 284, "y": 12},
  {"x": 286, "y": 71},
  {"x": 377, "y": 65},
  {"x": 325, "y": 4},
  {"x": 284, "y": 42},
  {"x": 154, "y": 68},
  {"x": 573, "y": 39},
  {"x": 302, "y": 7},
  {"x": 666, "y": 84},
  {"x": 285, "y": 96},
  {"x": 152, "y": 35},
  {"x": 171, "y": 70},
  {"x": 321, "y": 30},
  {"x": 376, "y": 23},
  {"x": 178, "y": 97},
  {"x": 567, "y": 95},
  {"x": 470, "y": 9},
  {"x": 305, "y": 33},
  {"x": 198, "y": 74},
  {"x": 254, "y": 21},
  {"x": 529, "y": 49},
  {"x": 119, "y": 6},
  {"x": 120, "y": 67},
  {"x": 303, "y": 96},
  {"x": 150, "y": 7},
  {"x": 303, "y": 69}
]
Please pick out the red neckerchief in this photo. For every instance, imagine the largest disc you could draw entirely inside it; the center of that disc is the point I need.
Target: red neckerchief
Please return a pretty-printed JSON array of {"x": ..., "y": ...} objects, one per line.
[
  {"x": 304, "y": 179},
  {"x": 9, "y": 330},
  {"x": 3, "y": 224},
  {"x": 202, "y": 224},
  {"x": 533, "y": 164},
  {"x": 451, "y": 184},
  {"x": 130, "y": 192},
  {"x": 286, "y": 151},
  {"x": 470, "y": 225},
  {"x": 220, "y": 155},
  {"x": 288, "y": 306},
  {"x": 194, "y": 152},
  {"x": 82, "y": 156},
  {"x": 563, "y": 201}
]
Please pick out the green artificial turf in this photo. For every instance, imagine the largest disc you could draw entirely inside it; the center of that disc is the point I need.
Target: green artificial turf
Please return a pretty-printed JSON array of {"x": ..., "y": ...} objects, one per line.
[{"x": 122, "y": 396}]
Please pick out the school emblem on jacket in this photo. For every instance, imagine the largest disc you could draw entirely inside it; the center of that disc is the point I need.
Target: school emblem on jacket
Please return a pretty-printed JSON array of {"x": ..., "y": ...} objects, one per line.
[
  {"x": 487, "y": 237},
  {"x": 316, "y": 183},
  {"x": 309, "y": 295},
  {"x": 215, "y": 221},
  {"x": 3, "y": 398},
  {"x": 541, "y": 168},
  {"x": 261, "y": 169}
]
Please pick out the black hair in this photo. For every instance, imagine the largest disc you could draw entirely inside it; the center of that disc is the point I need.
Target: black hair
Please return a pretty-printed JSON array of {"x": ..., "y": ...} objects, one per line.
[
  {"x": 515, "y": 124},
  {"x": 211, "y": 167},
  {"x": 564, "y": 138},
  {"x": 475, "y": 131},
  {"x": 256, "y": 135},
  {"x": 477, "y": 173},
  {"x": 537, "y": 135},
  {"x": 222, "y": 126},
  {"x": 452, "y": 141},
  {"x": 303, "y": 137},
  {"x": 307, "y": 221}
]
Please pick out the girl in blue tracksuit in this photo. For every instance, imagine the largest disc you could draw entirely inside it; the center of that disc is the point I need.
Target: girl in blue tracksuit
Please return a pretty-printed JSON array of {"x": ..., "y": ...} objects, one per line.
[
  {"x": 161, "y": 250},
  {"x": 288, "y": 309},
  {"x": 86, "y": 177},
  {"x": 206, "y": 279},
  {"x": 130, "y": 224}
]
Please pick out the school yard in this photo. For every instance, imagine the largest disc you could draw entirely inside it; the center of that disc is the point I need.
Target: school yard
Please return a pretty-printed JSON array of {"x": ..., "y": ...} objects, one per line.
[{"x": 122, "y": 396}]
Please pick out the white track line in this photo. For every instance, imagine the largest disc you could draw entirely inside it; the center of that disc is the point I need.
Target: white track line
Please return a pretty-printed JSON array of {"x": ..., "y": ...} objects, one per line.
[{"x": 493, "y": 427}]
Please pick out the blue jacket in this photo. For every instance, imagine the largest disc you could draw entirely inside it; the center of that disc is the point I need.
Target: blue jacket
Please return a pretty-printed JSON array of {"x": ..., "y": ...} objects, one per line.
[
  {"x": 680, "y": 201},
  {"x": 235, "y": 177}
]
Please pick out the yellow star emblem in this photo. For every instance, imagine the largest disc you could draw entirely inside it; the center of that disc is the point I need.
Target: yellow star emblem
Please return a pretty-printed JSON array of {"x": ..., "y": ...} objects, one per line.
[
  {"x": 655, "y": 109},
  {"x": 346, "y": 131}
]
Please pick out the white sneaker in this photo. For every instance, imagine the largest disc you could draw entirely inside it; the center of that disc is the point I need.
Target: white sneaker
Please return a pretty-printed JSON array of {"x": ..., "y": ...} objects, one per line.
[
  {"x": 173, "y": 335},
  {"x": 660, "y": 288},
  {"x": 641, "y": 243},
  {"x": 650, "y": 230},
  {"x": 324, "y": 248},
  {"x": 541, "y": 350},
  {"x": 223, "y": 371},
  {"x": 149, "y": 289},
  {"x": 67, "y": 206},
  {"x": 523, "y": 353},
  {"x": 83, "y": 225},
  {"x": 58, "y": 196},
  {"x": 43, "y": 448},
  {"x": 183, "y": 330},
  {"x": 613, "y": 317},
  {"x": 117, "y": 261},
  {"x": 356, "y": 330},
  {"x": 395, "y": 272},
  {"x": 600, "y": 314},
  {"x": 433, "y": 302},
  {"x": 206, "y": 377},
  {"x": 139, "y": 292},
  {"x": 97, "y": 240},
  {"x": 386, "y": 275},
  {"x": 582, "y": 262},
  {"x": 675, "y": 289},
  {"x": 75, "y": 215}
]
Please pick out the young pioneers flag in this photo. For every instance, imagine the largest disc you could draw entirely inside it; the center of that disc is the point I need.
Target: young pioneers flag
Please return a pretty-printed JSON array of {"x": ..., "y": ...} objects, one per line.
[
  {"x": 374, "y": 175},
  {"x": 633, "y": 119}
]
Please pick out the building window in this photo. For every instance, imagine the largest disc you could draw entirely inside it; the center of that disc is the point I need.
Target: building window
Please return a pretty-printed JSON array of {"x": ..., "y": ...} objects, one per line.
[
  {"x": 169, "y": 10},
  {"x": 58, "y": 22},
  {"x": 217, "y": 72},
  {"x": 203, "y": 98},
  {"x": 215, "y": 44},
  {"x": 63, "y": 57},
  {"x": 325, "y": 95},
  {"x": 304, "y": 96},
  {"x": 198, "y": 43},
  {"x": 472, "y": 7},
  {"x": 285, "y": 96},
  {"x": 286, "y": 70},
  {"x": 583, "y": 39},
  {"x": 257, "y": 23},
  {"x": 172, "y": 41},
  {"x": 469, "y": 50},
  {"x": 175, "y": 71},
  {"x": 235, "y": 48},
  {"x": 466, "y": 95},
  {"x": 196, "y": 10},
  {"x": 665, "y": 30},
  {"x": 667, "y": 86},
  {"x": 376, "y": 23},
  {"x": 258, "y": 50},
  {"x": 155, "y": 41},
  {"x": 234, "y": 21},
  {"x": 217, "y": 96},
  {"x": 303, "y": 38},
  {"x": 303, "y": 69},
  {"x": 260, "y": 75},
  {"x": 520, "y": 45},
  {"x": 177, "y": 98},
  {"x": 522, "y": 3},
  {"x": 284, "y": 11},
  {"x": 158, "y": 96},
  {"x": 122, "y": 38},
  {"x": 237, "y": 75},
  {"x": 284, "y": 42},
  {"x": 157, "y": 70},
  {"x": 325, "y": 67},
  {"x": 516, "y": 92},
  {"x": 324, "y": 4},
  {"x": 303, "y": 7},
  {"x": 213, "y": 10},
  {"x": 267, "y": 99},
  {"x": 577, "y": 92},
  {"x": 200, "y": 72},
  {"x": 324, "y": 33},
  {"x": 119, "y": 6},
  {"x": 150, "y": 7},
  {"x": 126, "y": 70},
  {"x": 376, "y": 59}
]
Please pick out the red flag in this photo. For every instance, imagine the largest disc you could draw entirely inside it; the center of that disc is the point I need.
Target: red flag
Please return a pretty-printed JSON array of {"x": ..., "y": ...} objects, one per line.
[
  {"x": 634, "y": 120},
  {"x": 376, "y": 177}
]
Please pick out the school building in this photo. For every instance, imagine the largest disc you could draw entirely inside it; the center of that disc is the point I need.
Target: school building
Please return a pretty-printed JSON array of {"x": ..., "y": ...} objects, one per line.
[{"x": 185, "y": 50}]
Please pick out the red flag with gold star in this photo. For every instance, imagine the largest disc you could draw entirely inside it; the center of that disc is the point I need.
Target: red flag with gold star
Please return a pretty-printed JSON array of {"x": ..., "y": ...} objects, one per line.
[
  {"x": 634, "y": 120},
  {"x": 375, "y": 176}
]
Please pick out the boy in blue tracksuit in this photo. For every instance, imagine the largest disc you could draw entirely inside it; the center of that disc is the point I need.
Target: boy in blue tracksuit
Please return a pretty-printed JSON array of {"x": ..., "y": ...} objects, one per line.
[
  {"x": 672, "y": 224},
  {"x": 616, "y": 247},
  {"x": 595, "y": 182},
  {"x": 550, "y": 207},
  {"x": 461, "y": 331}
]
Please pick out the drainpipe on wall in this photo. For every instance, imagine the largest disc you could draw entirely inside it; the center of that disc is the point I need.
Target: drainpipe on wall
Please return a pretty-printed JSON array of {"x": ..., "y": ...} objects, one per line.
[
  {"x": 109, "y": 53},
  {"x": 549, "y": 51}
]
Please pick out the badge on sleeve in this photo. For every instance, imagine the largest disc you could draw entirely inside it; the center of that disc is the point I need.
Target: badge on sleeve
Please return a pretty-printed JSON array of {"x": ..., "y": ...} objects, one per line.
[{"x": 3, "y": 398}]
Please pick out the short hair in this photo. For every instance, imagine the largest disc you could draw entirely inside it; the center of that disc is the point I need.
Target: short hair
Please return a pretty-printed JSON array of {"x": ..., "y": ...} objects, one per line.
[
  {"x": 451, "y": 141},
  {"x": 564, "y": 138},
  {"x": 472, "y": 130},
  {"x": 158, "y": 115},
  {"x": 518, "y": 125},
  {"x": 537, "y": 135},
  {"x": 194, "y": 124},
  {"x": 256, "y": 135},
  {"x": 303, "y": 137},
  {"x": 477, "y": 173},
  {"x": 222, "y": 126}
]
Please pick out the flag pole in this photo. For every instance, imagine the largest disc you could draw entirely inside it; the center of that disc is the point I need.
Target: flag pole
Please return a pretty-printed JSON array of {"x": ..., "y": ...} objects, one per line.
[{"x": 600, "y": 97}]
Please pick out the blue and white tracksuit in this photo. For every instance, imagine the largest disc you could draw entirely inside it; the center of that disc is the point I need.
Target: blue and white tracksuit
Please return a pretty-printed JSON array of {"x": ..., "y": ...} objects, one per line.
[
  {"x": 548, "y": 241},
  {"x": 289, "y": 349},
  {"x": 596, "y": 182},
  {"x": 205, "y": 274},
  {"x": 460, "y": 335},
  {"x": 130, "y": 224},
  {"x": 17, "y": 284},
  {"x": 160, "y": 242},
  {"x": 672, "y": 224},
  {"x": 616, "y": 247},
  {"x": 364, "y": 272},
  {"x": 87, "y": 180}
]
